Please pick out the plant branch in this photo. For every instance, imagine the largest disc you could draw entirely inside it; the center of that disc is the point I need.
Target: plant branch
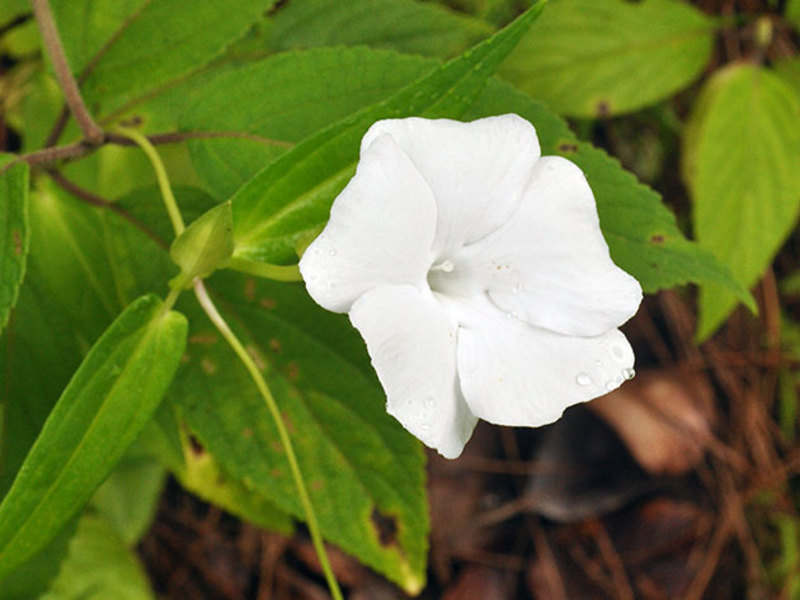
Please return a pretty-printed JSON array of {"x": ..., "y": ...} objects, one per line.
[
  {"x": 63, "y": 116},
  {"x": 52, "y": 42},
  {"x": 313, "y": 525}
]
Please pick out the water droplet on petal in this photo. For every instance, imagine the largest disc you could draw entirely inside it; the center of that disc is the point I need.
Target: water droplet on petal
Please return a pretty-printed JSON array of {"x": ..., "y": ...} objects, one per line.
[
  {"x": 429, "y": 403},
  {"x": 583, "y": 379},
  {"x": 332, "y": 252},
  {"x": 448, "y": 266},
  {"x": 628, "y": 373},
  {"x": 598, "y": 363},
  {"x": 610, "y": 385},
  {"x": 618, "y": 352},
  {"x": 519, "y": 288}
]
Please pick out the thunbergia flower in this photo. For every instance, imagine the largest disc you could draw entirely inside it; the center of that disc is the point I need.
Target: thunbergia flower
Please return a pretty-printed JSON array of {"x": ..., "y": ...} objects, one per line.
[{"x": 475, "y": 270}]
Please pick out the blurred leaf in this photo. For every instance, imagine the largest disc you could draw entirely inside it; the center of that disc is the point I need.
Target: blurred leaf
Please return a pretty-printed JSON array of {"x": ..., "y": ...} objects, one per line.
[
  {"x": 586, "y": 58},
  {"x": 146, "y": 44},
  {"x": 742, "y": 165},
  {"x": 788, "y": 70},
  {"x": 402, "y": 25},
  {"x": 14, "y": 233},
  {"x": 128, "y": 498},
  {"x": 99, "y": 566},
  {"x": 318, "y": 87},
  {"x": 293, "y": 194},
  {"x": 793, "y": 12},
  {"x": 105, "y": 406}
]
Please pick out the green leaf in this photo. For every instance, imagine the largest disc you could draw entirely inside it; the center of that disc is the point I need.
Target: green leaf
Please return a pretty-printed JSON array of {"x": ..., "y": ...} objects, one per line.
[
  {"x": 85, "y": 265},
  {"x": 365, "y": 474},
  {"x": 34, "y": 576},
  {"x": 129, "y": 497},
  {"x": 206, "y": 244},
  {"x": 144, "y": 44},
  {"x": 99, "y": 566},
  {"x": 788, "y": 70},
  {"x": 318, "y": 87},
  {"x": 402, "y": 25},
  {"x": 641, "y": 232},
  {"x": 793, "y": 12},
  {"x": 14, "y": 233},
  {"x": 586, "y": 58},
  {"x": 742, "y": 165},
  {"x": 105, "y": 406},
  {"x": 274, "y": 209}
]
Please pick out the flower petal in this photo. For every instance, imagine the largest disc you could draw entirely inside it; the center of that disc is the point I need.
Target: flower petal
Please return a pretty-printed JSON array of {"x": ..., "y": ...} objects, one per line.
[
  {"x": 412, "y": 344},
  {"x": 549, "y": 265},
  {"x": 513, "y": 373},
  {"x": 380, "y": 232},
  {"x": 477, "y": 170}
]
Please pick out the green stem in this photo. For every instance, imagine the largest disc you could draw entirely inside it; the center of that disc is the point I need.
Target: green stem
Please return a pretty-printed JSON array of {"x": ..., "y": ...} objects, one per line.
[
  {"x": 311, "y": 519},
  {"x": 161, "y": 175},
  {"x": 266, "y": 270}
]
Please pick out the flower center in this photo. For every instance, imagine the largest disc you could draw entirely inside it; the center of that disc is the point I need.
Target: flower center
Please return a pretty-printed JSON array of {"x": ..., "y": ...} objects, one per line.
[{"x": 441, "y": 277}]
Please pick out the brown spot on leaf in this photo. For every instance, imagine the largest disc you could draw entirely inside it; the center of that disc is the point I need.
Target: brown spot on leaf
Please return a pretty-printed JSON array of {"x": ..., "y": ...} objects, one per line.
[
  {"x": 209, "y": 366},
  {"x": 16, "y": 237},
  {"x": 185, "y": 359},
  {"x": 657, "y": 238},
  {"x": 255, "y": 354},
  {"x": 275, "y": 345},
  {"x": 247, "y": 432},
  {"x": 567, "y": 147},
  {"x": 268, "y": 303},
  {"x": 277, "y": 446},
  {"x": 196, "y": 446},
  {"x": 276, "y": 472},
  {"x": 250, "y": 289},
  {"x": 603, "y": 109},
  {"x": 385, "y": 527},
  {"x": 316, "y": 485},
  {"x": 292, "y": 371},
  {"x": 203, "y": 339},
  {"x": 289, "y": 424}
]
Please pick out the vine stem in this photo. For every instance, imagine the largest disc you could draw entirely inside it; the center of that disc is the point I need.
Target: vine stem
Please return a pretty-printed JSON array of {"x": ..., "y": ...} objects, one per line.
[
  {"x": 222, "y": 326},
  {"x": 161, "y": 175},
  {"x": 72, "y": 95},
  {"x": 313, "y": 526}
]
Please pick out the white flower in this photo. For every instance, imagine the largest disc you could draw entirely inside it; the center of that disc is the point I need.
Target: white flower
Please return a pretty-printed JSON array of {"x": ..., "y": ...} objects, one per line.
[{"x": 477, "y": 274}]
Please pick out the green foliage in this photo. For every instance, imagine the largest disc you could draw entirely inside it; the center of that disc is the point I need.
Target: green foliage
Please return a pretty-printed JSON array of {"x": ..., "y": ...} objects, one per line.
[
  {"x": 640, "y": 231},
  {"x": 128, "y": 498},
  {"x": 14, "y": 233},
  {"x": 272, "y": 211},
  {"x": 402, "y": 25},
  {"x": 105, "y": 406},
  {"x": 742, "y": 165},
  {"x": 318, "y": 87},
  {"x": 789, "y": 71},
  {"x": 144, "y": 45},
  {"x": 586, "y": 58},
  {"x": 793, "y": 12},
  {"x": 357, "y": 460},
  {"x": 99, "y": 566}
]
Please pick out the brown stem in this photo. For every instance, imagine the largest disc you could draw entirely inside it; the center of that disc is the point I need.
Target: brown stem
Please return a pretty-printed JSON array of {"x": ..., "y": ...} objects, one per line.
[
  {"x": 48, "y": 156},
  {"x": 95, "y": 200},
  {"x": 63, "y": 116},
  {"x": 52, "y": 42}
]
